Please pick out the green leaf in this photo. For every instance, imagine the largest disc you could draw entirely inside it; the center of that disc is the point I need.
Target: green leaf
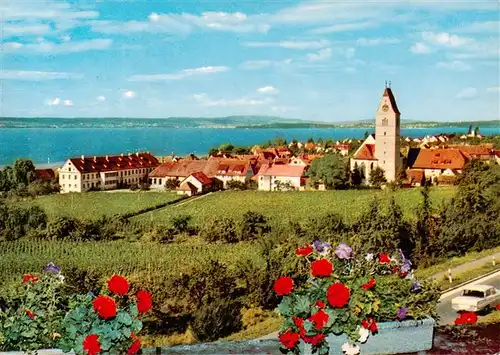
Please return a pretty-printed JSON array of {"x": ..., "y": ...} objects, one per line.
[
  {"x": 137, "y": 325},
  {"x": 302, "y": 304},
  {"x": 124, "y": 318}
]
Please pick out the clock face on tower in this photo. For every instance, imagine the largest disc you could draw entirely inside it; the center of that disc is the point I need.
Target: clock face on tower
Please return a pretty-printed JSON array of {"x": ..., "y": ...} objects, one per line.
[{"x": 385, "y": 108}]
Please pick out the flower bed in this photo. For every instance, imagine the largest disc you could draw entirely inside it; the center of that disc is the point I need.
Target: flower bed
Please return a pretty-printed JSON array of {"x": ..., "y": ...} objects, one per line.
[{"x": 348, "y": 300}]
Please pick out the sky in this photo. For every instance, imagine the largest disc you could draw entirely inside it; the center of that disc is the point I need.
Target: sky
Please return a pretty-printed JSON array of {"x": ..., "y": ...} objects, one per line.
[{"x": 315, "y": 60}]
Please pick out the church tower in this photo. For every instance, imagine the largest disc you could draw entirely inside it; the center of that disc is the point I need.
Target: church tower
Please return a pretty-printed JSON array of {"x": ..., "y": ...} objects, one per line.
[{"x": 387, "y": 139}]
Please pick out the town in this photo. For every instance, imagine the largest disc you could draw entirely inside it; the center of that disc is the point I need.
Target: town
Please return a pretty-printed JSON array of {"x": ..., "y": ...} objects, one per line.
[{"x": 405, "y": 160}]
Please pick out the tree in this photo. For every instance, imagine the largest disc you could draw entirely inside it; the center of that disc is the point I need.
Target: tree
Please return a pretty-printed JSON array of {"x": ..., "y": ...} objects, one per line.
[
  {"x": 476, "y": 131},
  {"x": 253, "y": 225},
  {"x": 213, "y": 152},
  {"x": 356, "y": 176},
  {"x": 331, "y": 169},
  {"x": 310, "y": 140},
  {"x": 377, "y": 177},
  {"x": 181, "y": 224},
  {"x": 172, "y": 184},
  {"x": 236, "y": 185},
  {"x": 24, "y": 171},
  {"x": 227, "y": 147},
  {"x": 401, "y": 177},
  {"x": 469, "y": 131},
  {"x": 279, "y": 141},
  {"x": 284, "y": 186}
]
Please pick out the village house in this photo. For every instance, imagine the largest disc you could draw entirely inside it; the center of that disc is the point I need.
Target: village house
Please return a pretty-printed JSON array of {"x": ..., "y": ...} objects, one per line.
[
  {"x": 195, "y": 184},
  {"x": 271, "y": 177},
  {"x": 105, "y": 172},
  {"x": 483, "y": 152},
  {"x": 444, "y": 164},
  {"x": 45, "y": 174}
]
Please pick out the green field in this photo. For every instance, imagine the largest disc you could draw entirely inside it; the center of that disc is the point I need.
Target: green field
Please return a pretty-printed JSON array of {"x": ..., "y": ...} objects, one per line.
[
  {"x": 140, "y": 260},
  {"x": 93, "y": 205},
  {"x": 284, "y": 206}
]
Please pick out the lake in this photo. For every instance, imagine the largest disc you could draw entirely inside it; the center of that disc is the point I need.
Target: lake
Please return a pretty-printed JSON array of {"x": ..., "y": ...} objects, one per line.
[{"x": 55, "y": 145}]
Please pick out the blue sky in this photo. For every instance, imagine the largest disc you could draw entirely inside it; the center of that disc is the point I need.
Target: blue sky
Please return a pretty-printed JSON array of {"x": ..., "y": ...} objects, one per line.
[{"x": 315, "y": 60}]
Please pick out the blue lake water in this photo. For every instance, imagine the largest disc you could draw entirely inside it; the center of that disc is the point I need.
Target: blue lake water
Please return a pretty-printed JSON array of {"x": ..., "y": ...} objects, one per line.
[{"x": 43, "y": 145}]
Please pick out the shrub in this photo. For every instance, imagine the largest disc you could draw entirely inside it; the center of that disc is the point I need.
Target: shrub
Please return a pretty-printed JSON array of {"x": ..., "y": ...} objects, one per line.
[
  {"x": 181, "y": 224},
  {"x": 61, "y": 227},
  {"x": 236, "y": 185},
  {"x": 37, "y": 217},
  {"x": 160, "y": 234},
  {"x": 253, "y": 225},
  {"x": 144, "y": 186},
  {"x": 326, "y": 227},
  {"x": 220, "y": 229},
  {"x": 172, "y": 184},
  {"x": 216, "y": 319}
]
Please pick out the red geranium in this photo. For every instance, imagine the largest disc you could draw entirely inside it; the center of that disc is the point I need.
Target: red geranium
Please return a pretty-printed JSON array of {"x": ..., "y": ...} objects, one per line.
[
  {"x": 384, "y": 258},
  {"x": 314, "y": 340},
  {"x": 321, "y": 268},
  {"x": 136, "y": 345},
  {"x": 289, "y": 339},
  {"x": 370, "y": 284},
  {"x": 498, "y": 307},
  {"x": 319, "y": 319},
  {"x": 299, "y": 322},
  {"x": 105, "y": 307},
  {"x": 30, "y": 278},
  {"x": 338, "y": 295},
  {"x": 466, "y": 318},
  {"x": 118, "y": 284},
  {"x": 320, "y": 304},
  {"x": 369, "y": 324},
  {"x": 144, "y": 301},
  {"x": 30, "y": 314},
  {"x": 91, "y": 344},
  {"x": 395, "y": 269},
  {"x": 304, "y": 251},
  {"x": 283, "y": 286}
]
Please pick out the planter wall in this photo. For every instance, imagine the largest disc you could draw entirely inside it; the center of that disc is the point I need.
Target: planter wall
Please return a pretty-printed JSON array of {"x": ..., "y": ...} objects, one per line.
[{"x": 392, "y": 338}]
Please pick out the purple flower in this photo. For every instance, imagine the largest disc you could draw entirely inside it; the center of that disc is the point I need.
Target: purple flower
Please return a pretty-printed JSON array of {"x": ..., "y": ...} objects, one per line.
[
  {"x": 51, "y": 267},
  {"x": 343, "y": 251},
  {"x": 416, "y": 286},
  {"x": 401, "y": 314},
  {"x": 321, "y": 247},
  {"x": 405, "y": 263}
]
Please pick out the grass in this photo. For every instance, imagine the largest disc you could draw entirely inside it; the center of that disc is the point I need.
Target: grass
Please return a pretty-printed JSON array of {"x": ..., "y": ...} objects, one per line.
[
  {"x": 492, "y": 317},
  {"x": 444, "y": 283},
  {"x": 284, "y": 206},
  {"x": 93, "y": 205},
  {"x": 456, "y": 261}
]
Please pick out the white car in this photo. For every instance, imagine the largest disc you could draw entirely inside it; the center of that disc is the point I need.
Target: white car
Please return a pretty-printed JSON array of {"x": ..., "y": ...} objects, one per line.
[{"x": 476, "y": 298}]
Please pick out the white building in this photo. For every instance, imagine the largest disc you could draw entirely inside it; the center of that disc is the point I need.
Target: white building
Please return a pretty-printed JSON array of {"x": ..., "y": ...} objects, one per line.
[{"x": 270, "y": 178}]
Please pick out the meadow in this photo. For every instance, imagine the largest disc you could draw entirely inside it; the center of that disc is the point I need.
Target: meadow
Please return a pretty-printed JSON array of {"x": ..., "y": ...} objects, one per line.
[
  {"x": 295, "y": 206},
  {"x": 93, "y": 205}
]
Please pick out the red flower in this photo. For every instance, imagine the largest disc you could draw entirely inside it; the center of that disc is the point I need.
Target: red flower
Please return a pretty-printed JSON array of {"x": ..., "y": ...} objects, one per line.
[
  {"x": 498, "y": 307},
  {"x": 370, "y": 284},
  {"x": 466, "y": 318},
  {"x": 91, "y": 344},
  {"x": 319, "y": 319},
  {"x": 289, "y": 339},
  {"x": 299, "y": 322},
  {"x": 136, "y": 345},
  {"x": 29, "y": 277},
  {"x": 304, "y": 251},
  {"x": 369, "y": 324},
  {"x": 315, "y": 340},
  {"x": 283, "y": 286},
  {"x": 338, "y": 295},
  {"x": 320, "y": 304},
  {"x": 105, "y": 307},
  {"x": 395, "y": 269},
  {"x": 118, "y": 284},
  {"x": 384, "y": 258},
  {"x": 30, "y": 314},
  {"x": 144, "y": 301},
  {"x": 321, "y": 268}
]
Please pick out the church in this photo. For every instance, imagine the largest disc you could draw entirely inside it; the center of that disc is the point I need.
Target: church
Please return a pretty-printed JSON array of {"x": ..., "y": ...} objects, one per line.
[{"x": 382, "y": 149}]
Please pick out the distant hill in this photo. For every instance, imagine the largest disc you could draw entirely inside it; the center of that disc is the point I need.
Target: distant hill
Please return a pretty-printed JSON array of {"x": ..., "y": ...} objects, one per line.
[{"x": 217, "y": 122}]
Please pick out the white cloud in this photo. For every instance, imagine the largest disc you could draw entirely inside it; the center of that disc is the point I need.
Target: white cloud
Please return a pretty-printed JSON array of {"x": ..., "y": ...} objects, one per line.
[
  {"x": 129, "y": 94},
  {"x": 179, "y": 75},
  {"x": 420, "y": 48},
  {"x": 455, "y": 65},
  {"x": 43, "y": 46},
  {"x": 101, "y": 98},
  {"x": 480, "y": 27},
  {"x": 54, "y": 102},
  {"x": 321, "y": 55},
  {"x": 493, "y": 89},
  {"x": 445, "y": 39},
  {"x": 262, "y": 64},
  {"x": 467, "y": 93},
  {"x": 268, "y": 90},
  {"x": 350, "y": 70},
  {"x": 291, "y": 44},
  {"x": 24, "y": 30},
  {"x": 66, "y": 38},
  {"x": 205, "y": 100},
  {"x": 349, "y": 52},
  {"x": 368, "y": 42},
  {"x": 36, "y": 75},
  {"x": 344, "y": 27},
  {"x": 68, "y": 103}
]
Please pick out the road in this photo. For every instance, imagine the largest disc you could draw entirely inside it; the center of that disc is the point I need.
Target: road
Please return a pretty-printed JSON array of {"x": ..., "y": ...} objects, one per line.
[{"x": 446, "y": 313}]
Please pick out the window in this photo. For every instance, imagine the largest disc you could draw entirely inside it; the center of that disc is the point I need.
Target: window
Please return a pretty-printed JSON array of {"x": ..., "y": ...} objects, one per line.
[
  {"x": 473, "y": 293},
  {"x": 154, "y": 181},
  {"x": 63, "y": 177},
  {"x": 76, "y": 177},
  {"x": 75, "y": 186},
  {"x": 159, "y": 181},
  {"x": 385, "y": 121},
  {"x": 64, "y": 185},
  {"x": 69, "y": 169},
  {"x": 385, "y": 133}
]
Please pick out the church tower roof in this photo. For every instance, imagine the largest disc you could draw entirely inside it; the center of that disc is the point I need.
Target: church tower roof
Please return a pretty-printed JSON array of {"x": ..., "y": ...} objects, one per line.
[{"x": 392, "y": 99}]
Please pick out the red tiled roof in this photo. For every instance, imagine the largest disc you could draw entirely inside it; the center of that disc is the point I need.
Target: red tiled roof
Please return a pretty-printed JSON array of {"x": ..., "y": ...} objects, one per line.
[
  {"x": 282, "y": 170},
  {"x": 414, "y": 176},
  {"x": 440, "y": 159},
  {"x": 233, "y": 167},
  {"x": 475, "y": 150},
  {"x": 114, "y": 163},
  {"x": 367, "y": 152},
  {"x": 45, "y": 174},
  {"x": 390, "y": 95},
  {"x": 201, "y": 177},
  {"x": 184, "y": 168}
]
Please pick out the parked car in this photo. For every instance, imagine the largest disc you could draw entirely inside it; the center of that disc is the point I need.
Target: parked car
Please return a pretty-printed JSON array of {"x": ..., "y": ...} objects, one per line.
[{"x": 476, "y": 298}]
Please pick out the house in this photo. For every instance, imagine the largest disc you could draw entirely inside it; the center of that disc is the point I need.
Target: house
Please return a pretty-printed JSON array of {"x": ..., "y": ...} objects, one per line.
[
  {"x": 343, "y": 149},
  {"x": 364, "y": 158},
  {"x": 233, "y": 170},
  {"x": 273, "y": 177},
  {"x": 437, "y": 162},
  {"x": 45, "y": 174},
  {"x": 180, "y": 170},
  {"x": 105, "y": 172},
  {"x": 483, "y": 152},
  {"x": 415, "y": 177},
  {"x": 195, "y": 184}
]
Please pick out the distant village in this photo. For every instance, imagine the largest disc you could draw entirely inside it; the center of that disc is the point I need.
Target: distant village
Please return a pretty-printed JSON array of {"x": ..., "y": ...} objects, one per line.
[{"x": 438, "y": 159}]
